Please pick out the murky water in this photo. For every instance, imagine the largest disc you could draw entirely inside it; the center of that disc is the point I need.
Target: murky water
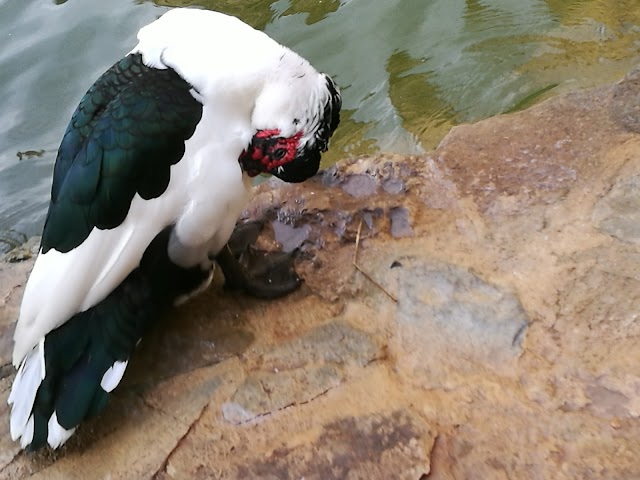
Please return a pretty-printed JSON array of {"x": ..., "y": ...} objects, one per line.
[{"x": 409, "y": 69}]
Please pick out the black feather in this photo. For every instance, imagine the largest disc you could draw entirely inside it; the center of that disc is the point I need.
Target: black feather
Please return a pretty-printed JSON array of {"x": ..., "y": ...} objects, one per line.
[
  {"x": 127, "y": 131},
  {"x": 79, "y": 352}
]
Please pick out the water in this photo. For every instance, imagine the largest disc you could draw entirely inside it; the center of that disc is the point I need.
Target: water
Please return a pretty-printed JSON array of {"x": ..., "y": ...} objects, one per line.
[{"x": 409, "y": 69}]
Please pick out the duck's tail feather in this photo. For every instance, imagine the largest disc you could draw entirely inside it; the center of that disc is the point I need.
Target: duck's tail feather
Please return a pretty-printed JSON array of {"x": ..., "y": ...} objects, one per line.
[{"x": 68, "y": 376}]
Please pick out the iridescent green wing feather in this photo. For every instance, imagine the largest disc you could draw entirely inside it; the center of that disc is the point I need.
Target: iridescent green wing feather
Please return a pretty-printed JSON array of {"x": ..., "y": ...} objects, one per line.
[{"x": 128, "y": 130}]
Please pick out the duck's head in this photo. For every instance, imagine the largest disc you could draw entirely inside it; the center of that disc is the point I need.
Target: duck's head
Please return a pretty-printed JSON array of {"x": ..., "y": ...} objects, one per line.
[
  {"x": 290, "y": 148},
  {"x": 293, "y": 108}
]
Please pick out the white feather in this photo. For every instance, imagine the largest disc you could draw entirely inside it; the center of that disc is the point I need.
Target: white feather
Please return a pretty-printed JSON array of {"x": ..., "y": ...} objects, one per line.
[
  {"x": 57, "y": 434},
  {"x": 27, "y": 435},
  {"x": 23, "y": 392},
  {"x": 113, "y": 375},
  {"x": 280, "y": 84}
]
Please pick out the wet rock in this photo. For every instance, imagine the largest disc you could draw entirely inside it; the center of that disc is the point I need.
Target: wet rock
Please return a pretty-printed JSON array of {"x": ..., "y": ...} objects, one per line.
[
  {"x": 25, "y": 251},
  {"x": 10, "y": 239}
]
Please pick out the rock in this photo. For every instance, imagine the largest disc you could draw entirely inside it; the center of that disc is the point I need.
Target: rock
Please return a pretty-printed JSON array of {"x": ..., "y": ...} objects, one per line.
[
  {"x": 26, "y": 251},
  {"x": 14, "y": 270},
  {"x": 301, "y": 370},
  {"x": 289, "y": 237},
  {"x": 390, "y": 445},
  {"x": 468, "y": 313},
  {"x": 618, "y": 212},
  {"x": 446, "y": 315},
  {"x": 625, "y": 104},
  {"x": 400, "y": 222},
  {"x": 360, "y": 185}
]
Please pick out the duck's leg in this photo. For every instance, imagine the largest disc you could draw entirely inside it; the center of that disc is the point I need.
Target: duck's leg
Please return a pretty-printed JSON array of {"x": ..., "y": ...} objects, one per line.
[{"x": 260, "y": 274}]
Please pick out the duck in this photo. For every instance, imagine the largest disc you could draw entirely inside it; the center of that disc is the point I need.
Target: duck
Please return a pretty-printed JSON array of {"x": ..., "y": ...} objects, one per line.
[{"x": 150, "y": 179}]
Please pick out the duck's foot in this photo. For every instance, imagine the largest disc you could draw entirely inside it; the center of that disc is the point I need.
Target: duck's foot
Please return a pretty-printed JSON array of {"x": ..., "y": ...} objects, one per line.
[{"x": 257, "y": 273}]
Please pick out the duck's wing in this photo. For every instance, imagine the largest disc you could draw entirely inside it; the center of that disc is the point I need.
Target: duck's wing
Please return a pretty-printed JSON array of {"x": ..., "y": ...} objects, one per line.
[{"x": 113, "y": 167}]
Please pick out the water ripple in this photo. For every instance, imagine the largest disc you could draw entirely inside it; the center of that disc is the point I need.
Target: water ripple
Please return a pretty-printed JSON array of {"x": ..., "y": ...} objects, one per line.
[{"x": 409, "y": 69}]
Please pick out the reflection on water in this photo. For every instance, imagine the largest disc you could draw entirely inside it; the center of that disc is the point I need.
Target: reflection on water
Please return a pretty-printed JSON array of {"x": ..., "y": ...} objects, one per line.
[{"x": 409, "y": 69}]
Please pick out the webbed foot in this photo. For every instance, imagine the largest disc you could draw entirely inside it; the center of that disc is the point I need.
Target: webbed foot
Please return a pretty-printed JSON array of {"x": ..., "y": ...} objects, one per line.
[{"x": 258, "y": 273}]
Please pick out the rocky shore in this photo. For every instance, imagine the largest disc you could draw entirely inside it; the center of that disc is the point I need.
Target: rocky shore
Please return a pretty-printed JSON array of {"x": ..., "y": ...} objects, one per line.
[{"x": 467, "y": 314}]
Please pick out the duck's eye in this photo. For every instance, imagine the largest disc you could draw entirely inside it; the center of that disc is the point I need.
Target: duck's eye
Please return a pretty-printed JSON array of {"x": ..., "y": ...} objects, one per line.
[{"x": 279, "y": 153}]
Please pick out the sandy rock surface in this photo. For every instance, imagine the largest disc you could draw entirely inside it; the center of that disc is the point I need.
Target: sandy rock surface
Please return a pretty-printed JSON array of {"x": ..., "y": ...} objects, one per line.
[{"x": 489, "y": 331}]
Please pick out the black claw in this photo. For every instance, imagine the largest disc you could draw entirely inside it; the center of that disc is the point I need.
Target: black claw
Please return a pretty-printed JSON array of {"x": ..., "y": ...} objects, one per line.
[
  {"x": 260, "y": 274},
  {"x": 244, "y": 235}
]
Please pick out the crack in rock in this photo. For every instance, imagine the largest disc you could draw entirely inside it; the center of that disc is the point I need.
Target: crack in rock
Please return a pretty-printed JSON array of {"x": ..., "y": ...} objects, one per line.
[
  {"x": 236, "y": 414},
  {"x": 163, "y": 466}
]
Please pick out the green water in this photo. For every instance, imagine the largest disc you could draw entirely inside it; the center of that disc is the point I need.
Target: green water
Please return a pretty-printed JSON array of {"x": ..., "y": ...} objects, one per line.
[{"x": 409, "y": 69}]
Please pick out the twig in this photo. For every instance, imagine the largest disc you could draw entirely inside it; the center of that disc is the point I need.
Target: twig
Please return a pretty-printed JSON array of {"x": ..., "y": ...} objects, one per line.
[
  {"x": 355, "y": 252},
  {"x": 357, "y": 267}
]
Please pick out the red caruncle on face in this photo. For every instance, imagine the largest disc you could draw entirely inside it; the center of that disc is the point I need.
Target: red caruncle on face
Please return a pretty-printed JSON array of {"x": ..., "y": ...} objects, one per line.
[{"x": 275, "y": 151}]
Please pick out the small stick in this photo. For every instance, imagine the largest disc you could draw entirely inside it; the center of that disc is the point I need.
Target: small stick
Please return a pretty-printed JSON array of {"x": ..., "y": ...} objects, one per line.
[
  {"x": 357, "y": 267},
  {"x": 355, "y": 252}
]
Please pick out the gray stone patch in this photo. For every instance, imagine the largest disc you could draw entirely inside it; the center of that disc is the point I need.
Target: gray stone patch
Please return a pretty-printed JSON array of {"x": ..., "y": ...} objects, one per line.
[
  {"x": 400, "y": 224},
  {"x": 618, "y": 212},
  {"x": 625, "y": 104},
  {"x": 360, "y": 185},
  {"x": 290, "y": 237},
  {"x": 335, "y": 342},
  {"x": 446, "y": 315},
  {"x": 394, "y": 186},
  {"x": 301, "y": 370}
]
